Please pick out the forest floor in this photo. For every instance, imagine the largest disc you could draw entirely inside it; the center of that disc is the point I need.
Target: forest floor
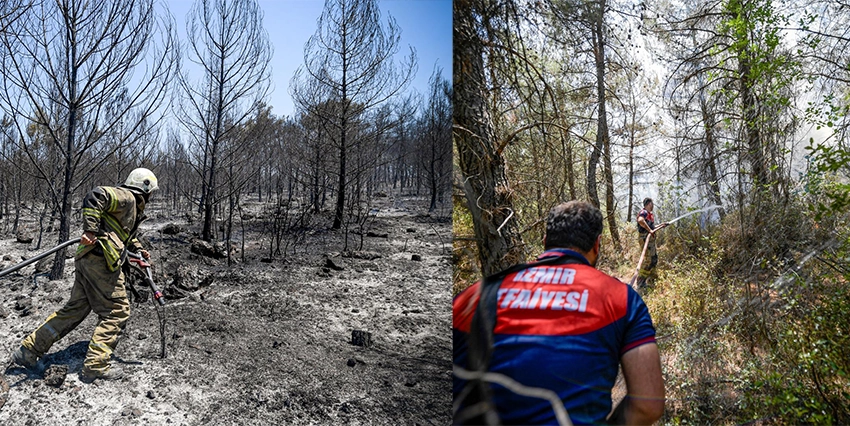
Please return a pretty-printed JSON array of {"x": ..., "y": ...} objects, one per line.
[{"x": 260, "y": 342}]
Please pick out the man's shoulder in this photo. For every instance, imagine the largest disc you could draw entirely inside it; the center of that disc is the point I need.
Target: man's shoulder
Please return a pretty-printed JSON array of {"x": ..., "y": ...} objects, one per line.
[
  {"x": 117, "y": 198},
  {"x": 463, "y": 307},
  {"x": 108, "y": 189},
  {"x": 120, "y": 192},
  {"x": 600, "y": 276},
  {"x": 544, "y": 274}
]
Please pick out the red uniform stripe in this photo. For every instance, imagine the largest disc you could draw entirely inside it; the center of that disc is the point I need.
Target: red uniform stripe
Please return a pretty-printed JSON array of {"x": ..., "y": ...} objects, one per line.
[
  {"x": 630, "y": 346},
  {"x": 579, "y": 300}
]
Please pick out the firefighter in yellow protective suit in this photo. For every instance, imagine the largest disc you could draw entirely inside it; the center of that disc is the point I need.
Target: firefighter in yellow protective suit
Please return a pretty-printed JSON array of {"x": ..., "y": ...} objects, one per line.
[{"x": 111, "y": 216}]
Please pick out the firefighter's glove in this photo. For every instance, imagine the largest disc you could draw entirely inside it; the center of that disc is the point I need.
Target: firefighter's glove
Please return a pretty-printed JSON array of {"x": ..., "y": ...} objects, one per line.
[
  {"x": 140, "y": 263},
  {"x": 88, "y": 238}
]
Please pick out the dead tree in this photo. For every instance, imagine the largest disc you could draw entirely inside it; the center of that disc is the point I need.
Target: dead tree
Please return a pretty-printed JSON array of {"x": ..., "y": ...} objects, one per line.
[
  {"x": 62, "y": 62},
  {"x": 349, "y": 61},
  {"x": 436, "y": 148},
  {"x": 227, "y": 40},
  {"x": 11, "y": 10}
]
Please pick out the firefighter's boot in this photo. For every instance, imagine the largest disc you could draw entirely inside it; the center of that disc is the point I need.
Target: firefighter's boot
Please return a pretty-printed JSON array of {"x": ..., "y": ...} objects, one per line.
[
  {"x": 25, "y": 357},
  {"x": 112, "y": 373}
]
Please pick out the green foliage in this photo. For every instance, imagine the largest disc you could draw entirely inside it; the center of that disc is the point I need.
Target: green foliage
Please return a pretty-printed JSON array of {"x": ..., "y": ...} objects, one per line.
[
  {"x": 826, "y": 112},
  {"x": 807, "y": 380},
  {"x": 827, "y": 179},
  {"x": 753, "y": 28},
  {"x": 465, "y": 269},
  {"x": 752, "y": 323}
]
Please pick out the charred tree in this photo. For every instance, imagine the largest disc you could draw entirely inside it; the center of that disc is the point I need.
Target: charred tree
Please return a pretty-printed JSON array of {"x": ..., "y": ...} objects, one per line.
[
  {"x": 227, "y": 39},
  {"x": 349, "y": 62},
  {"x": 64, "y": 64}
]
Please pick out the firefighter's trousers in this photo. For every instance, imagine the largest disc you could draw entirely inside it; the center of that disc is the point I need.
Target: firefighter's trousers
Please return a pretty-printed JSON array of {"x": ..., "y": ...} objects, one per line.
[
  {"x": 651, "y": 257},
  {"x": 95, "y": 289}
]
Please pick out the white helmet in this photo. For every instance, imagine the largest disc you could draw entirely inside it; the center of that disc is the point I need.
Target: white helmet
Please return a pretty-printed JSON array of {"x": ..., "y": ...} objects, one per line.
[{"x": 143, "y": 180}]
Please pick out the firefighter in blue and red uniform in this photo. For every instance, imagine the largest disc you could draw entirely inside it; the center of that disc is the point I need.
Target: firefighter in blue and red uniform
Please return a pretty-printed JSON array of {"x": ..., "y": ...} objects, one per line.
[
  {"x": 559, "y": 324},
  {"x": 646, "y": 229}
]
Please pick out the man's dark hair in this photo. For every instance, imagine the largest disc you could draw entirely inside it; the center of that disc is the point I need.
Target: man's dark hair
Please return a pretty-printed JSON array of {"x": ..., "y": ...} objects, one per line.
[
  {"x": 573, "y": 224},
  {"x": 646, "y": 201}
]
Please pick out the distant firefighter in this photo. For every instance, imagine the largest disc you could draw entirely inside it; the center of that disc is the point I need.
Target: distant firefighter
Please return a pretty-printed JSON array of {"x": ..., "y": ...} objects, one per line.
[
  {"x": 111, "y": 217},
  {"x": 646, "y": 229}
]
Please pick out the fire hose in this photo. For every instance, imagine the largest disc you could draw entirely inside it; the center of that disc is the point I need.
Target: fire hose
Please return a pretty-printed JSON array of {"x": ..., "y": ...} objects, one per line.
[
  {"x": 643, "y": 253},
  {"x": 664, "y": 225},
  {"x": 135, "y": 258},
  {"x": 38, "y": 257},
  {"x": 145, "y": 267},
  {"x": 138, "y": 262}
]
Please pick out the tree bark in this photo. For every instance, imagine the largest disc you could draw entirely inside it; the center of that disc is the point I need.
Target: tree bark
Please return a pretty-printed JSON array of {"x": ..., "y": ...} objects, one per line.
[
  {"x": 712, "y": 176},
  {"x": 751, "y": 127},
  {"x": 485, "y": 185},
  {"x": 603, "y": 140},
  {"x": 610, "y": 204},
  {"x": 58, "y": 268},
  {"x": 631, "y": 130}
]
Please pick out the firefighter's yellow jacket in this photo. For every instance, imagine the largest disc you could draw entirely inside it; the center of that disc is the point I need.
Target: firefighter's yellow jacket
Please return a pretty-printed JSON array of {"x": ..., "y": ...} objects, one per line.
[{"x": 113, "y": 214}]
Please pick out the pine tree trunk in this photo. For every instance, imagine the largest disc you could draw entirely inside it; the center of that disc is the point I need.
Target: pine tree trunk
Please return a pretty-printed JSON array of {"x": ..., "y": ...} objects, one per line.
[{"x": 483, "y": 173}]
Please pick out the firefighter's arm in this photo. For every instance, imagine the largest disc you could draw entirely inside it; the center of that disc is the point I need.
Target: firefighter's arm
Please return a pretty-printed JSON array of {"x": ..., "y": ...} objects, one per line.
[
  {"x": 136, "y": 247},
  {"x": 663, "y": 225},
  {"x": 644, "y": 401},
  {"x": 94, "y": 205},
  {"x": 642, "y": 223},
  {"x": 88, "y": 238}
]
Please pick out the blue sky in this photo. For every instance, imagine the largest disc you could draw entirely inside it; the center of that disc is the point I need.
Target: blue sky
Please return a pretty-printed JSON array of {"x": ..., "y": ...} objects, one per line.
[{"x": 426, "y": 25}]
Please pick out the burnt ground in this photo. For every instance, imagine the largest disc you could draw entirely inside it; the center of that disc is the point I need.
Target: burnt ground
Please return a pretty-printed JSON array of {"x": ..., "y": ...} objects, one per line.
[{"x": 260, "y": 342}]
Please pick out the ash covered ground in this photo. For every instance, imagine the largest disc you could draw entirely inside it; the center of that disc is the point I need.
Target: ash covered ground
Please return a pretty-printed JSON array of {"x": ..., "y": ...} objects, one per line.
[{"x": 265, "y": 341}]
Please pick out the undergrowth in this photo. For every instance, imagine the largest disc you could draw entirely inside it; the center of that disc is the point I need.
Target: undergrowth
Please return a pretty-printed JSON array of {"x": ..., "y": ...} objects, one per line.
[
  {"x": 752, "y": 319},
  {"x": 465, "y": 269},
  {"x": 752, "y": 313}
]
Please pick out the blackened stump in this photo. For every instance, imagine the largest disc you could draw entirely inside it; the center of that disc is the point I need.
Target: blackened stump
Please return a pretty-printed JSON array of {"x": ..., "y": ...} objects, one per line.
[
  {"x": 361, "y": 338},
  {"x": 172, "y": 229},
  {"x": 336, "y": 265}
]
